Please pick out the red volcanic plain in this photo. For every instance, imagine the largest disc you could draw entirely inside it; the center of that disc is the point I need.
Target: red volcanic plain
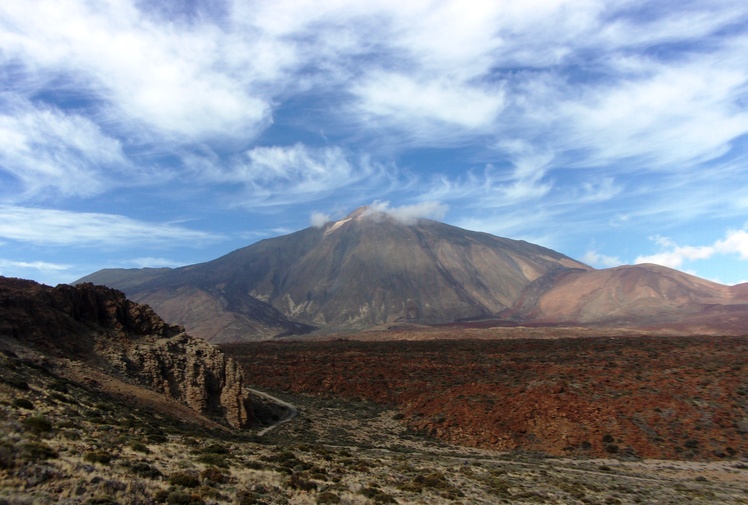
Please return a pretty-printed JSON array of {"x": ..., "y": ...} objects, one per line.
[{"x": 644, "y": 396}]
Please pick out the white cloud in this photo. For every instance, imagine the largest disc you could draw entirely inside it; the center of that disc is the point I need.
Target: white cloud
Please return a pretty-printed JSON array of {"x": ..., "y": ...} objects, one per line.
[
  {"x": 279, "y": 175},
  {"x": 408, "y": 214},
  {"x": 674, "y": 255},
  {"x": 150, "y": 262},
  {"x": 49, "y": 227},
  {"x": 596, "y": 259},
  {"x": 173, "y": 78},
  {"x": 46, "y": 149},
  {"x": 668, "y": 117},
  {"x": 426, "y": 108},
  {"x": 42, "y": 266},
  {"x": 318, "y": 219}
]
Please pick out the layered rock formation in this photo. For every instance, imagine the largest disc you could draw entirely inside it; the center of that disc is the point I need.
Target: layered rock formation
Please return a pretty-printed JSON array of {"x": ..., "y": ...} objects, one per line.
[{"x": 100, "y": 327}]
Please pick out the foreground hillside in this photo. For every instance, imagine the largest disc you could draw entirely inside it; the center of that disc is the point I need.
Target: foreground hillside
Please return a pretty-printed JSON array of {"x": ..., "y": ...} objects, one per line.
[
  {"x": 90, "y": 331},
  {"x": 66, "y": 442},
  {"x": 639, "y": 397}
]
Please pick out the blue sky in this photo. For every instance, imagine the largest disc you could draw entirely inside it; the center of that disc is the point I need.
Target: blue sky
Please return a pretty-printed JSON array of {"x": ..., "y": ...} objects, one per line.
[{"x": 138, "y": 134}]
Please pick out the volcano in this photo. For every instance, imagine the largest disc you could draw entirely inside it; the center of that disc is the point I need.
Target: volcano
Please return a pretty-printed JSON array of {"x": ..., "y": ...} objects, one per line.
[{"x": 364, "y": 270}]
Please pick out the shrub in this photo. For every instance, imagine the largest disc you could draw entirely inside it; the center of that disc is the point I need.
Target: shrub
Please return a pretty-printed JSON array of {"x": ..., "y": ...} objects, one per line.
[
  {"x": 60, "y": 386},
  {"x": 218, "y": 460},
  {"x": 249, "y": 498},
  {"x": 23, "y": 403},
  {"x": 328, "y": 497},
  {"x": 145, "y": 470},
  {"x": 37, "y": 425},
  {"x": 181, "y": 498},
  {"x": 101, "y": 457},
  {"x": 102, "y": 500},
  {"x": 15, "y": 383},
  {"x": 7, "y": 455},
  {"x": 35, "y": 451},
  {"x": 184, "y": 479},
  {"x": 213, "y": 476},
  {"x": 214, "y": 449},
  {"x": 140, "y": 447},
  {"x": 298, "y": 481}
]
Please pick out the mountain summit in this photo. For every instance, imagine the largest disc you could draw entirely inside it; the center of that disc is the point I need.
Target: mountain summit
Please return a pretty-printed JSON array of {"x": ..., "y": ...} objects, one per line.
[{"x": 366, "y": 269}]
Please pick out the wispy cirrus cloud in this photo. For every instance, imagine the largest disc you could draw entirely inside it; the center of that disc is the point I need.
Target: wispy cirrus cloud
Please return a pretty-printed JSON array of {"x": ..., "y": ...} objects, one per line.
[
  {"x": 32, "y": 265},
  {"x": 51, "y": 227},
  {"x": 278, "y": 175},
  {"x": 45, "y": 149}
]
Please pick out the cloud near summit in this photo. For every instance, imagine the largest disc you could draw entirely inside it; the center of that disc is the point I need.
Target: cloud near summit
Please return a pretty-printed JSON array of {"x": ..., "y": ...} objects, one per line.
[{"x": 408, "y": 214}]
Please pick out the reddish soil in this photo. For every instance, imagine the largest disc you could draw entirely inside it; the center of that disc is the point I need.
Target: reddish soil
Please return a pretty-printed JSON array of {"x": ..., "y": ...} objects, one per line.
[{"x": 651, "y": 397}]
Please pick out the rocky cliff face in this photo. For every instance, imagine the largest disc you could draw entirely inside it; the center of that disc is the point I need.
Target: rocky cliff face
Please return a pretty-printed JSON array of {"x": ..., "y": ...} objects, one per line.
[
  {"x": 99, "y": 326},
  {"x": 187, "y": 369}
]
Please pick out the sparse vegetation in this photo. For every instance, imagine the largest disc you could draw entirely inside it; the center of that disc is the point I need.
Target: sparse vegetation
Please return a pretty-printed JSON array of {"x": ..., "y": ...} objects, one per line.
[{"x": 101, "y": 450}]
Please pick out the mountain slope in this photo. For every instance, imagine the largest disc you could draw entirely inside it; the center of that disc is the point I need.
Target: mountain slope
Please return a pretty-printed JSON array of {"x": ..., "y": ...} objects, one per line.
[
  {"x": 645, "y": 296},
  {"x": 364, "y": 270}
]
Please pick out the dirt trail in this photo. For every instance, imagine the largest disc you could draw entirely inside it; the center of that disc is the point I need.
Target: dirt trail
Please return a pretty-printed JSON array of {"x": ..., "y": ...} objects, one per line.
[{"x": 291, "y": 410}]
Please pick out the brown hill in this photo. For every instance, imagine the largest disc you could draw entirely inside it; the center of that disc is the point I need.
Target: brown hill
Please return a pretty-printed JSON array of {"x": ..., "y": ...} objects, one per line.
[
  {"x": 364, "y": 270},
  {"x": 122, "y": 343},
  {"x": 640, "y": 296}
]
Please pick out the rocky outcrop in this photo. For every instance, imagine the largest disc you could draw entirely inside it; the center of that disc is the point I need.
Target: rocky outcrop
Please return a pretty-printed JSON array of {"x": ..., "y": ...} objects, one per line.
[
  {"x": 189, "y": 370},
  {"x": 101, "y": 327}
]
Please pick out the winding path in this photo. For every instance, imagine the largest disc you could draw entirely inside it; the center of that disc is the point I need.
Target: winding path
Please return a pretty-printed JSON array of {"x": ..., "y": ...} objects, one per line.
[{"x": 292, "y": 410}]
